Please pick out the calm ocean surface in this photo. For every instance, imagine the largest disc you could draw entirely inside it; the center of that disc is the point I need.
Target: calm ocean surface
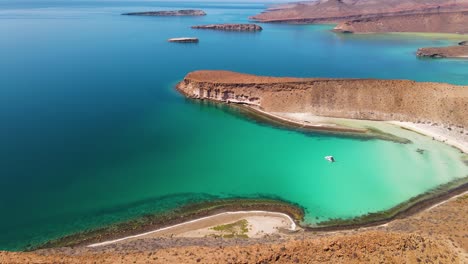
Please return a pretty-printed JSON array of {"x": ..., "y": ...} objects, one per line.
[{"x": 92, "y": 131}]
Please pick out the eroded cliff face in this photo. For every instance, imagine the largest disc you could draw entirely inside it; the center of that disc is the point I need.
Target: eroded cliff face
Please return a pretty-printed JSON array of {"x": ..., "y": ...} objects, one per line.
[{"x": 369, "y": 99}]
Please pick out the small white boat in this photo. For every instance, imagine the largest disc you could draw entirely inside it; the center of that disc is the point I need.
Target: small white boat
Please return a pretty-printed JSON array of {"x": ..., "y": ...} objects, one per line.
[{"x": 330, "y": 158}]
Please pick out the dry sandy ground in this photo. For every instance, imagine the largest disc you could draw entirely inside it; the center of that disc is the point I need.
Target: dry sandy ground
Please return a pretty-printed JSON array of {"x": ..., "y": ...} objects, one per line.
[
  {"x": 258, "y": 226},
  {"x": 437, "y": 235},
  {"x": 260, "y": 223}
]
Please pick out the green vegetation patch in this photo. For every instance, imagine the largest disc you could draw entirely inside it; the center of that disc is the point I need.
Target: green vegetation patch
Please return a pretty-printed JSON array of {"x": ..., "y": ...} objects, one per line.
[{"x": 237, "y": 229}]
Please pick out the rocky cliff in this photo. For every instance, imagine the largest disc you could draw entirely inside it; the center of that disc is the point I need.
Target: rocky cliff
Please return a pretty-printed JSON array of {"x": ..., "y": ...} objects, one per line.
[
  {"x": 230, "y": 27},
  {"x": 347, "y": 98},
  {"x": 188, "y": 12},
  {"x": 448, "y": 22}
]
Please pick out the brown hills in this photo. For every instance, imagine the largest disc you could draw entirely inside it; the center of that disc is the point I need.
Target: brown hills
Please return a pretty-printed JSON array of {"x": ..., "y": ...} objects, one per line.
[
  {"x": 443, "y": 22},
  {"x": 332, "y": 11}
]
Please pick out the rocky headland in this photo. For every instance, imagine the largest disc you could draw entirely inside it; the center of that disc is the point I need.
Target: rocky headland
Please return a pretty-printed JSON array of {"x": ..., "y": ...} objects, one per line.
[
  {"x": 460, "y": 51},
  {"x": 444, "y": 22},
  {"x": 230, "y": 27},
  {"x": 188, "y": 12},
  {"x": 369, "y": 99},
  {"x": 333, "y": 11}
]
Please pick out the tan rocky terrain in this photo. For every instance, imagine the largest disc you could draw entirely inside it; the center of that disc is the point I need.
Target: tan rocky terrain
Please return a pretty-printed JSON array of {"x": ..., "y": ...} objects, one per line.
[
  {"x": 327, "y": 11},
  {"x": 460, "y": 51},
  {"x": 444, "y": 22},
  {"x": 370, "y": 99},
  {"x": 437, "y": 235}
]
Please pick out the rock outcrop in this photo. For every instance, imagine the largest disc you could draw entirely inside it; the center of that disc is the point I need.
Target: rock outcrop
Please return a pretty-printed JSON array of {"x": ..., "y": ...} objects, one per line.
[
  {"x": 444, "y": 52},
  {"x": 184, "y": 40},
  {"x": 188, "y": 12},
  {"x": 448, "y": 22},
  {"x": 326, "y": 11},
  {"x": 371, "y": 99},
  {"x": 230, "y": 27}
]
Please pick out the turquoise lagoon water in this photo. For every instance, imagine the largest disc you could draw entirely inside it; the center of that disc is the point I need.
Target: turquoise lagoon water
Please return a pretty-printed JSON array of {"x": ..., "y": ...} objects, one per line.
[{"x": 92, "y": 131}]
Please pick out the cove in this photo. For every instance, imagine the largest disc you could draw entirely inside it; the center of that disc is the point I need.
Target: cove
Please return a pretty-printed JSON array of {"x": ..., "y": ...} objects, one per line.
[{"x": 93, "y": 131}]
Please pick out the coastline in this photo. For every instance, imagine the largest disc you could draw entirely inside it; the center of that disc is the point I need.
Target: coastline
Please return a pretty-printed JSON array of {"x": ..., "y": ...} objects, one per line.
[
  {"x": 425, "y": 201},
  {"x": 402, "y": 210},
  {"x": 326, "y": 125},
  {"x": 436, "y": 234},
  {"x": 211, "y": 220},
  {"x": 189, "y": 212},
  {"x": 448, "y": 137}
]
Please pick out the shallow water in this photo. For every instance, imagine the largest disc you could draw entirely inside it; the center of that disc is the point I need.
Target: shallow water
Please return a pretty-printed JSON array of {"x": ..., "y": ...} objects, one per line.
[{"x": 92, "y": 131}]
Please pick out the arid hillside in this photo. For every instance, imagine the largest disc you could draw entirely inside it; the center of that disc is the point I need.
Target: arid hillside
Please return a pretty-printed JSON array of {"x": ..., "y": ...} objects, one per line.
[
  {"x": 444, "y": 22},
  {"x": 326, "y": 11}
]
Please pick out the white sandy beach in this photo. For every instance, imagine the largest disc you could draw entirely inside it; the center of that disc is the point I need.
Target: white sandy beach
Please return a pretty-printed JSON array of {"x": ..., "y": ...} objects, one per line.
[
  {"x": 454, "y": 136},
  {"x": 451, "y": 135}
]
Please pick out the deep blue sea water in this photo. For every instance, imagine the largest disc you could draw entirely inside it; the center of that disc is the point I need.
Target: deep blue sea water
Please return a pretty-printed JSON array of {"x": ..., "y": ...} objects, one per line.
[{"x": 92, "y": 131}]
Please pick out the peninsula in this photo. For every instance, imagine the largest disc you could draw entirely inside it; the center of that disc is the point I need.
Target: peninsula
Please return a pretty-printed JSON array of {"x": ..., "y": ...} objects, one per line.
[
  {"x": 370, "y": 99},
  {"x": 188, "y": 12},
  {"x": 430, "y": 106},
  {"x": 230, "y": 27}
]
